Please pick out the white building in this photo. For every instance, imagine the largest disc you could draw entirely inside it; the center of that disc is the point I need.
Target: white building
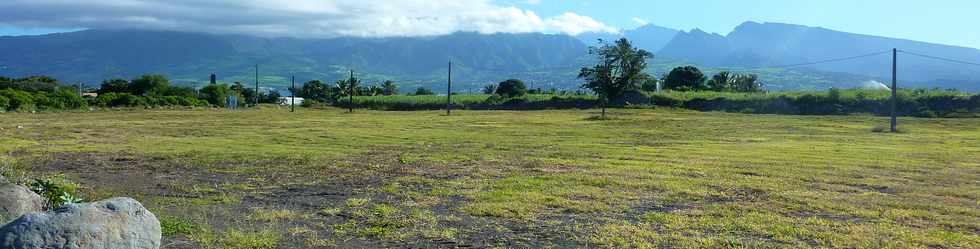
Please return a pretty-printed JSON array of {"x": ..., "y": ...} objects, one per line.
[{"x": 290, "y": 101}]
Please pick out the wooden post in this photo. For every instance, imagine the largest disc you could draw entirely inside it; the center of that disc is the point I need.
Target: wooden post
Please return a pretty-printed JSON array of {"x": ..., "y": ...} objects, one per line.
[
  {"x": 894, "y": 90},
  {"x": 449, "y": 90},
  {"x": 350, "y": 85},
  {"x": 256, "y": 99},
  {"x": 292, "y": 96}
]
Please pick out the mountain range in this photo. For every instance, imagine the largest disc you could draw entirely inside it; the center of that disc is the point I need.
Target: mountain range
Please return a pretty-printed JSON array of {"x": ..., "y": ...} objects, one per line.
[{"x": 543, "y": 60}]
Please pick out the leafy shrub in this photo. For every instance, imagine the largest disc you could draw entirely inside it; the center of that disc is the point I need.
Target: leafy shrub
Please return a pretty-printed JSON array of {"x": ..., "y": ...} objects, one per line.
[
  {"x": 171, "y": 226},
  {"x": 216, "y": 94},
  {"x": 41, "y": 101},
  {"x": 125, "y": 99},
  {"x": 67, "y": 98},
  {"x": 19, "y": 100},
  {"x": 4, "y": 103},
  {"x": 310, "y": 103},
  {"x": 55, "y": 194}
]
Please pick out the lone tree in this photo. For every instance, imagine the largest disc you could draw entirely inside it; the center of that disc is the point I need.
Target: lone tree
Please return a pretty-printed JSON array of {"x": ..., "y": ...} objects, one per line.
[
  {"x": 512, "y": 88},
  {"x": 389, "y": 88},
  {"x": 688, "y": 78},
  {"x": 620, "y": 68}
]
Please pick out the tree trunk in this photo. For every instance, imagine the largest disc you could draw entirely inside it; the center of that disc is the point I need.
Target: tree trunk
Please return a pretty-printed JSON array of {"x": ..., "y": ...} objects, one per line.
[{"x": 603, "y": 111}]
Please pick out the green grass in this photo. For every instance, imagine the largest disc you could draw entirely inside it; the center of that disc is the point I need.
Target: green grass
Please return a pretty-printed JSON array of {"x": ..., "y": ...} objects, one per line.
[{"x": 642, "y": 179}]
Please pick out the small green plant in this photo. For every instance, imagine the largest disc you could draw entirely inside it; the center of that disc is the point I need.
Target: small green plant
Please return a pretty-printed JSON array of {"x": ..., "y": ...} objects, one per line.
[
  {"x": 171, "y": 226},
  {"x": 264, "y": 239},
  {"x": 54, "y": 193}
]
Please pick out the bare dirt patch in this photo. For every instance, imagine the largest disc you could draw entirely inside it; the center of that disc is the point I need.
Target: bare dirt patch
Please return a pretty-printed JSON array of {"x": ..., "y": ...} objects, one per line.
[{"x": 224, "y": 195}]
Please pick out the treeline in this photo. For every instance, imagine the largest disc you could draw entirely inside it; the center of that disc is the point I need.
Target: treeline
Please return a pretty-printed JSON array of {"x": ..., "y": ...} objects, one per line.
[
  {"x": 684, "y": 87},
  {"x": 687, "y": 87},
  {"x": 46, "y": 93},
  {"x": 315, "y": 92},
  {"x": 911, "y": 102},
  {"x": 37, "y": 92}
]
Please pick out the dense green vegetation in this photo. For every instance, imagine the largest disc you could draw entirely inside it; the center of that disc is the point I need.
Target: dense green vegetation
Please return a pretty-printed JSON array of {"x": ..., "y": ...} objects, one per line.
[
  {"x": 724, "y": 92},
  {"x": 47, "y": 94},
  {"x": 664, "y": 178},
  {"x": 919, "y": 102}
]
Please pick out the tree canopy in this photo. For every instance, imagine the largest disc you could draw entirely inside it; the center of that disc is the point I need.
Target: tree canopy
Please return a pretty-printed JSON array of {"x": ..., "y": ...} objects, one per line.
[
  {"x": 424, "y": 91},
  {"x": 511, "y": 88},
  {"x": 620, "y": 68},
  {"x": 687, "y": 78},
  {"x": 389, "y": 88},
  {"x": 149, "y": 84},
  {"x": 732, "y": 82}
]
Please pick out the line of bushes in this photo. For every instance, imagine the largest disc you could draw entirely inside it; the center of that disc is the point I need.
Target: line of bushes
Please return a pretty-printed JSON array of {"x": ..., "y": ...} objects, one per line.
[
  {"x": 918, "y": 103},
  {"x": 472, "y": 102},
  {"x": 60, "y": 99},
  {"x": 42, "y": 93},
  {"x": 68, "y": 99}
]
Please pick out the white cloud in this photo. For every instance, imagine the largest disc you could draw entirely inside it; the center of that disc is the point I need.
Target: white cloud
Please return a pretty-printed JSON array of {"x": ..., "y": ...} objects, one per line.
[
  {"x": 640, "y": 21},
  {"x": 571, "y": 23},
  {"x": 296, "y": 18}
]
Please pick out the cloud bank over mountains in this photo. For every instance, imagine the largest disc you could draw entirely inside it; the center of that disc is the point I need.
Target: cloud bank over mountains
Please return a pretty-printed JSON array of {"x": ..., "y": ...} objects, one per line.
[{"x": 295, "y": 18}]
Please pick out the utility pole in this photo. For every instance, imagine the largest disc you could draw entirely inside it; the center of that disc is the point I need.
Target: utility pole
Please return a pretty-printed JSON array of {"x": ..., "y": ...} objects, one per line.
[
  {"x": 449, "y": 90},
  {"x": 350, "y": 86},
  {"x": 256, "y": 99},
  {"x": 894, "y": 90},
  {"x": 292, "y": 96}
]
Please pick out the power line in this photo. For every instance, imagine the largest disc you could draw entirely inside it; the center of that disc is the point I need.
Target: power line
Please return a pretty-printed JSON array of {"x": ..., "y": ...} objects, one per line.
[
  {"x": 939, "y": 58},
  {"x": 818, "y": 62}
]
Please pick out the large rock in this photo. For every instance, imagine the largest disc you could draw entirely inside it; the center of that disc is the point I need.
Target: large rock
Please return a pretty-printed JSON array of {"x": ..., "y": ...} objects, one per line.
[
  {"x": 114, "y": 223},
  {"x": 16, "y": 200}
]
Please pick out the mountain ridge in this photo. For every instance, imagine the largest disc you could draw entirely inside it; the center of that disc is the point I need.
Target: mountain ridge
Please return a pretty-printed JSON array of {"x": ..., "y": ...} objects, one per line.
[{"x": 547, "y": 60}]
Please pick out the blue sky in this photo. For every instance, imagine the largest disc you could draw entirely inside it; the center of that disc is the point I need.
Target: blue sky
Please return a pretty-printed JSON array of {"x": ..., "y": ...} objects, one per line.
[
  {"x": 955, "y": 22},
  {"x": 951, "y": 22}
]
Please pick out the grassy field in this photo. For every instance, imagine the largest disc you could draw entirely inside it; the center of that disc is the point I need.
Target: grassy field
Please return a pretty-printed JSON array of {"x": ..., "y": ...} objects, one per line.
[{"x": 643, "y": 179}]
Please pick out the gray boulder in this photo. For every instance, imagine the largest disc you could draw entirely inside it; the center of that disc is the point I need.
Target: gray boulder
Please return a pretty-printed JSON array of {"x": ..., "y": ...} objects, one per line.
[
  {"x": 114, "y": 223},
  {"x": 16, "y": 200}
]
